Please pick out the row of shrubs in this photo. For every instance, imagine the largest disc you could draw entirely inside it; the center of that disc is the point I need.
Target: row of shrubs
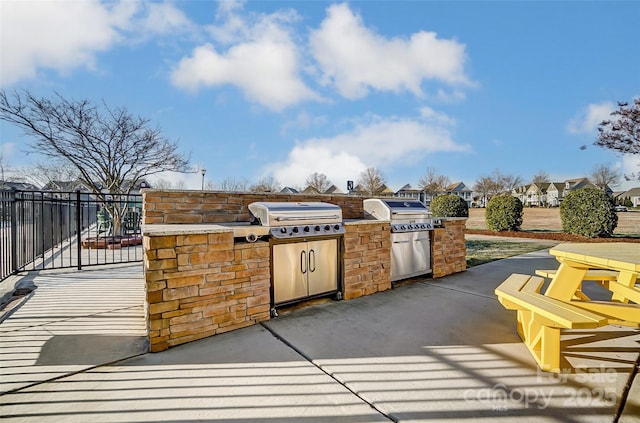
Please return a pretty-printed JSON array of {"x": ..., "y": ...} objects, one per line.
[{"x": 588, "y": 212}]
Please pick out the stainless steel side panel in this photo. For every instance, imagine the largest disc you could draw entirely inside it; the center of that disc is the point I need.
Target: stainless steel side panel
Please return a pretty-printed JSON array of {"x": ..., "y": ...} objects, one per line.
[
  {"x": 290, "y": 269},
  {"x": 410, "y": 254},
  {"x": 323, "y": 266}
]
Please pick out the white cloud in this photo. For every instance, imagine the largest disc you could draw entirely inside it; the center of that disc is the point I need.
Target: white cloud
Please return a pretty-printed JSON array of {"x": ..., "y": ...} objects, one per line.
[
  {"x": 378, "y": 142},
  {"x": 355, "y": 58},
  {"x": 54, "y": 35},
  {"x": 587, "y": 120},
  {"x": 65, "y": 35},
  {"x": 263, "y": 62},
  {"x": 162, "y": 19}
]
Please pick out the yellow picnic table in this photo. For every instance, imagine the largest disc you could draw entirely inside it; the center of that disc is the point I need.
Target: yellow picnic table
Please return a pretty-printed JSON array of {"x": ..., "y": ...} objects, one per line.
[
  {"x": 577, "y": 260},
  {"x": 541, "y": 316}
]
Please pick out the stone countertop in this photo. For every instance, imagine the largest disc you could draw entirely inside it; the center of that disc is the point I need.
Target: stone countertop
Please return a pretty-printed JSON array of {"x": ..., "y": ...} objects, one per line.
[{"x": 238, "y": 229}]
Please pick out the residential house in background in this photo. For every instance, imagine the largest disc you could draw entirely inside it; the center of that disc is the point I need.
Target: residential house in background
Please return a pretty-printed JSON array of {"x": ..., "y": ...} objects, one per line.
[
  {"x": 409, "y": 192},
  {"x": 290, "y": 190},
  {"x": 550, "y": 194},
  {"x": 19, "y": 186},
  {"x": 461, "y": 190},
  {"x": 633, "y": 195},
  {"x": 536, "y": 194},
  {"x": 554, "y": 194}
]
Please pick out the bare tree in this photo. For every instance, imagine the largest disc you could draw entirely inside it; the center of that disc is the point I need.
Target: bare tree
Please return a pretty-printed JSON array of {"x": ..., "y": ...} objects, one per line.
[
  {"x": 371, "y": 181},
  {"x": 603, "y": 176},
  {"x": 485, "y": 186},
  {"x": 319, "y": 182},
  {"x": 167, "y": 184},
  {"x": 58, "y": 175},
  {"x": 233, "y": 184},
  {"x": 112, "y": 149},
  {"x": 622, "y": 132},
  {"x": 4, "y": 167},
  {"x": 433, "y": 183},
  {"x": 541, "y": 177},
  {"x": 496, "y": 183},
  {"x": 268, "y": 184}
]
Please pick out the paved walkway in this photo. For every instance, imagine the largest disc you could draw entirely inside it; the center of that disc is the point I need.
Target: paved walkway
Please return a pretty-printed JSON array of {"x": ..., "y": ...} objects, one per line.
[{"x": 432, "y": 350}]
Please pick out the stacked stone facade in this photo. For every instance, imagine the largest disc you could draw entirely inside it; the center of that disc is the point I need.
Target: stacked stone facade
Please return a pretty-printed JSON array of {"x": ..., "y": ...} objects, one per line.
[
  {"x": 200, "y": 285},
  {"x": 448, "y": 248},
  {"x": 202, "y": 281},
  {"x": 367, "y": 258}
]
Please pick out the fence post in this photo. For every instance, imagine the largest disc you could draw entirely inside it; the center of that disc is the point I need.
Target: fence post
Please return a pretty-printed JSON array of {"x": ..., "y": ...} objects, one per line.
[
  {"x": 79, "y": 228},
  {"x": 14, "y": 233}
]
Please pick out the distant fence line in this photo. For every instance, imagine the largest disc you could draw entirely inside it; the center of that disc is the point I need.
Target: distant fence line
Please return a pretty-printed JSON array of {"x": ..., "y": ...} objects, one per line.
[{"x": 49, "y": 230}]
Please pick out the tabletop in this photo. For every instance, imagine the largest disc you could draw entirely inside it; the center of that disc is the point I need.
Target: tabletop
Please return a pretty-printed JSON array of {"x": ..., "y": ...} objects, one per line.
[{"x": 607, "y": 255}]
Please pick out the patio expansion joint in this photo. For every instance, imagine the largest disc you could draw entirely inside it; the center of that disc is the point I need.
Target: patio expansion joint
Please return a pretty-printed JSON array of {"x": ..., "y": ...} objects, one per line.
[
  {"x": 310, "y": 360},
  {"x": 438, "y": 285}
]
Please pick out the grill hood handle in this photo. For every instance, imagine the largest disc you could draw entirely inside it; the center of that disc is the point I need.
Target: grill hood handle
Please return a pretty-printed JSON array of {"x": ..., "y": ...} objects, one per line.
[{"x": 293, "y": 218}]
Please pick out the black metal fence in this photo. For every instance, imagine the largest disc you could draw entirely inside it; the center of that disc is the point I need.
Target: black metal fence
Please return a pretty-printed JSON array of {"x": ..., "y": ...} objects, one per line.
[{"x": 49, "y": 230}]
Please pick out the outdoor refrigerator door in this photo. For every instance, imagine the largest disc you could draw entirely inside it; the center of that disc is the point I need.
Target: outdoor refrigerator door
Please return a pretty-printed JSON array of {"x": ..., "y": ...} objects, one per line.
[{"x": 290, "y": 268}]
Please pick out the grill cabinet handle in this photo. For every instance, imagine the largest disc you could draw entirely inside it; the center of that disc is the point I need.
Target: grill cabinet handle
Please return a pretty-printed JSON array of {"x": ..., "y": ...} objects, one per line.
[
  {"x": 303, "y": 261},
  {"x": 312, "y": 261}
]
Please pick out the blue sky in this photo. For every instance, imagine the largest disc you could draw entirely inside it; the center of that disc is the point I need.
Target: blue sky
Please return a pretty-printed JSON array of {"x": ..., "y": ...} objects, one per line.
[{"x": 284, "y": 89}]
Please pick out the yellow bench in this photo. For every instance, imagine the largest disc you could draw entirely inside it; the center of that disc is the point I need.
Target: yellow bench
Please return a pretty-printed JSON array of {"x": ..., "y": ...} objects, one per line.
[{"x": 541, "y": 318}]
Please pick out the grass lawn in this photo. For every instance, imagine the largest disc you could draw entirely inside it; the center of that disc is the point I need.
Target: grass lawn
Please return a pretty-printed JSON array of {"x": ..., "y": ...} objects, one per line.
[{"x": 481, "y": 251}]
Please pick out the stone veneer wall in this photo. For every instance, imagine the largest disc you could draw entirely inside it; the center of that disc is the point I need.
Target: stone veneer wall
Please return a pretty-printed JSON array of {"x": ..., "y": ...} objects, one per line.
[
  {"x": 448, "y": 248},
  {"x": 200, "y": 285},
  {"x": 367, "y": 258},
  {"x": 171, "y": 206}
]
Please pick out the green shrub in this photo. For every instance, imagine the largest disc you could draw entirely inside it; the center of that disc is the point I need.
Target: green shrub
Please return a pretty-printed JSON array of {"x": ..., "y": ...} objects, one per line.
[
  {"x": 588, "y": 212},
  {"x": 504, "y": 213},
  {"x": 449, "y": 205}
]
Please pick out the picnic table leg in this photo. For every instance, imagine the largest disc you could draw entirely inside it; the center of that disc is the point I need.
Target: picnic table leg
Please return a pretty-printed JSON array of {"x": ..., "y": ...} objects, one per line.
[
  {"x": 550, "y": 349},
  {"x": 627, "y": 279},
  {"x": 542, "y": 341}
]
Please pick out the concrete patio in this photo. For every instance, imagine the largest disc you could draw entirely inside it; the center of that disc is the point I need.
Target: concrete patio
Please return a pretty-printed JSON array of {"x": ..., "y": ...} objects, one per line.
[{"x": 436, "y": 350}]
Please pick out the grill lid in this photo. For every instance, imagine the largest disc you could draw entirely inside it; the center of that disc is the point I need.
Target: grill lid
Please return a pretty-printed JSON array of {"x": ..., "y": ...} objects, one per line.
[
  {"x": 405, "y": 215},
  {"x": 295, "y": 213},
  {"x": 298, "y": 219},
  {"x": 395, "y": 209}
]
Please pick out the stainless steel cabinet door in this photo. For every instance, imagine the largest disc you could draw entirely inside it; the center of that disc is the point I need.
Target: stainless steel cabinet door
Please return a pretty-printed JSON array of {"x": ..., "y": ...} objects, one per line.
[
  {"x": 323, "y": 266},
  {"x": 410, "y": 254},
  {"x": 290, "y": 268}
]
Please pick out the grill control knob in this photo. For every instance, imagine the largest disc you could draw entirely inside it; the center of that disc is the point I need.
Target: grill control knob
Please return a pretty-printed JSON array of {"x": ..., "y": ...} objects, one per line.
[
  {"x": 402, "y": 228},
  {"x": 327, "y": 227},
  {"x": 306, "y": 229},
  {"x": 283, "y": 230},
  {"x": 336, "y": 227},
  {"x": 317, "y": 228},
  {"x": 295, "y": 229}
]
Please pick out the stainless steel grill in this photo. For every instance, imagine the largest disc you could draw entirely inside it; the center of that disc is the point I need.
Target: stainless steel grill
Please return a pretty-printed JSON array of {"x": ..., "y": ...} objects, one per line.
[
  {"x": 304, "y": 249},
  {"x": 301, "y": 219},
  {"x": 411, "y": 224}
]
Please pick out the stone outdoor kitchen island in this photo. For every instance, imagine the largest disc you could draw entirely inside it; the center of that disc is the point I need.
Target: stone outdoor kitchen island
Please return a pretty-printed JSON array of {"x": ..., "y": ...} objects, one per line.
[{"x": 201, "y": 280}]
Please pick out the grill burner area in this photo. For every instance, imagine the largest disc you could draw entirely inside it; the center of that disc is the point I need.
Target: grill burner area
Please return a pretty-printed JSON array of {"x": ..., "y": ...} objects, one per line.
[{"x": 298, "y": 220}]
